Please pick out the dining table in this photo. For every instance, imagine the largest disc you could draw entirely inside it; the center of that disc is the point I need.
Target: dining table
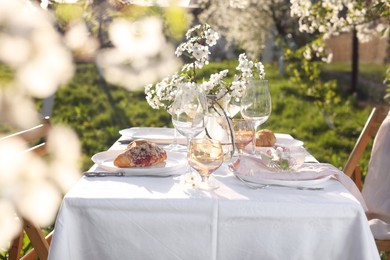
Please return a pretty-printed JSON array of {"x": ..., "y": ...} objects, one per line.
[{"x": 160, "y": 214}]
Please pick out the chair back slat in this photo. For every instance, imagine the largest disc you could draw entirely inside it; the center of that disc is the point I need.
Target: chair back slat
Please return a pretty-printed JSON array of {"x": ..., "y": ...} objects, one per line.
[
  {"x": 39, "y": 149},
  {"x": 33, "y": 133},
  {"x": 368, "y": 133}
]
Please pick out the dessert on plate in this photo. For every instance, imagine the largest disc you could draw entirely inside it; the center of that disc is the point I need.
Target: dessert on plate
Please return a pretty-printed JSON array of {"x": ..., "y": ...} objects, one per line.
[{"x": 140, "y": 153}]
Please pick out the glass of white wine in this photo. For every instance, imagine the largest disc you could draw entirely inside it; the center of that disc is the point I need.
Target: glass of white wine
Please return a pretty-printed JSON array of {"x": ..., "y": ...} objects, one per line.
[
  {"x": 205, "y": 156},
  {"x": 243, "y": 134}
]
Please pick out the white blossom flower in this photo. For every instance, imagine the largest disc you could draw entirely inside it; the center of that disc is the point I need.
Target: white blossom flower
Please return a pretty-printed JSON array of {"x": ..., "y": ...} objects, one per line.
[
  {"x": 199, "y": 51},
  {"x": 211, "y": 37}
]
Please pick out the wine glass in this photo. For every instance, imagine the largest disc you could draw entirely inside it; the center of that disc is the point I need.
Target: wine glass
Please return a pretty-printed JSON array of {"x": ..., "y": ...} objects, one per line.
[
  {"x": 205, "y": 156},
  {"x": 243, "y": 134},
  {"x": 256, "y": 105},
  {"x": 174, "y": 146},
  {"x": 188, "y": 111}
]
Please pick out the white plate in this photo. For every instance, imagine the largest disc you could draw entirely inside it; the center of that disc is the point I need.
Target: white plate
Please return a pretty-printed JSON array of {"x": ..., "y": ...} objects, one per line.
[
  {"x": 174, "y": 162},
  {"x": 287, "y": 141},
  {"x": 302, "y": 183},
  {"x": 161, "y": 135}
]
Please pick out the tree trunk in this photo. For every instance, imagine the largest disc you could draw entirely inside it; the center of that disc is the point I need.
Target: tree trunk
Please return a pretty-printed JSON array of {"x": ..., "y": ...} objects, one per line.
[{"x": 355, "y": 62}]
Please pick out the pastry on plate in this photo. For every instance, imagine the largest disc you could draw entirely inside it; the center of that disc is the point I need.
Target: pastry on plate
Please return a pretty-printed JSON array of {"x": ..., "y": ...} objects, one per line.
[
  {"x": 140, "y": 153},
  {"x": 265, "y": 137}
]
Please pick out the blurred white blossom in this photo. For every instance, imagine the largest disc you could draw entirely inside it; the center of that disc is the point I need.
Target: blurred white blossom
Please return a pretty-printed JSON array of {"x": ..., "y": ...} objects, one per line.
[
  {"x": 32, "y": 47},
  {"x": 331, "y": 18},
  {"x": 80, "y": 41},
  {"x": 140, "y": 54},
  {"x": 244, "y": 23},
  {"x": 239, "y": 3},
  {"x": 10, "y": 224},
  {"x": 33, "y": 50}
]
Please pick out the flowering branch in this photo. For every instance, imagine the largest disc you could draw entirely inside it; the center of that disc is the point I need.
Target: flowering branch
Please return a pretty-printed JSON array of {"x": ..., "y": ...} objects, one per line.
[{"x": 199, "y": 40}]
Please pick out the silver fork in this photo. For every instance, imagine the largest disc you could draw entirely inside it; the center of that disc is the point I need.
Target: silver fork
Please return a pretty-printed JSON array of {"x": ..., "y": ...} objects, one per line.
[{"x": 263, "y": 186}]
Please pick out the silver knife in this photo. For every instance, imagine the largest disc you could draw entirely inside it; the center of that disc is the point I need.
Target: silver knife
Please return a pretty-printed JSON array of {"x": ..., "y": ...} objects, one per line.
[
  {"x": 103, "y": 174},
  {"x": 121, "y": 174},
  {"x": 125, "y": 141}
]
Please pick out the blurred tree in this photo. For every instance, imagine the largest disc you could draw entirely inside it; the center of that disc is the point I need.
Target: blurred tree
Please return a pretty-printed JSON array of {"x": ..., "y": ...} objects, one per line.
[{"x": 364, "y": 19}]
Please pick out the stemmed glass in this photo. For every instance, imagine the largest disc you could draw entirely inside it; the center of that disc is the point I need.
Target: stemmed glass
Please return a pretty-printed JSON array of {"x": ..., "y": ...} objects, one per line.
[
  {"x": 188, "y": 111},
  {"x": 175, "y": 146},
  {"x": 205, "y": 156},
  {"x": 256, "y": 105},
  {"x": 243, "y": 134}
]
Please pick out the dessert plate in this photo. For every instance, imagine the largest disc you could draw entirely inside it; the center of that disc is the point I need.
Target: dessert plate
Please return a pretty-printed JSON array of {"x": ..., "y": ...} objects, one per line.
[
  {"x": 173, "y": 163},
  {"x": 160, "y": 135}
]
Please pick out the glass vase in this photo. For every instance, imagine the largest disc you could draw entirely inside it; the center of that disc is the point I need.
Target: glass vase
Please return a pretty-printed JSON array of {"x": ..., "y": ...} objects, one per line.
[{"x": 219, "y": 124}]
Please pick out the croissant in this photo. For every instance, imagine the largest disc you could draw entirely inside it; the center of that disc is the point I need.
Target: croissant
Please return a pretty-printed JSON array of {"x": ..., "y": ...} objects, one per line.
[
  {"x": 265, "y": 137},
  {"x": 140, "y": 153}
]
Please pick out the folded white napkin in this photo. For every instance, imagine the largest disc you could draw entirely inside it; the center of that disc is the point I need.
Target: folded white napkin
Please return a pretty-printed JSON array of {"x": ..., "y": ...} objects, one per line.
[
  {"x": 254, "y": 167},
  {"x": 380, "y": 229}
]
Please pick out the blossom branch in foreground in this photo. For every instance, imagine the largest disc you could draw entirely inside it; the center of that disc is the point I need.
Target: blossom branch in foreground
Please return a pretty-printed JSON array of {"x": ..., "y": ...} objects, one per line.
[{"x": 31, "y": 186}]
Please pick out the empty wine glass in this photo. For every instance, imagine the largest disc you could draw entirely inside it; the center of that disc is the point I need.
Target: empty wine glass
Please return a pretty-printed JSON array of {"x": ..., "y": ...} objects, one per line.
[
  {"x": 188, "y": 111},
  {"x": 205, "y": 156},
  {"x": 243, "y": 134},
  {"x": 175, "y": 146},
  {"x": 256, "y": 105}
]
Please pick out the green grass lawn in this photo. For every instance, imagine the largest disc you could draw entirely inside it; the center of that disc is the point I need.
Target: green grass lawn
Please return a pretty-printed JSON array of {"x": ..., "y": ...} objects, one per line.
[{"x": 97, "y": 112}]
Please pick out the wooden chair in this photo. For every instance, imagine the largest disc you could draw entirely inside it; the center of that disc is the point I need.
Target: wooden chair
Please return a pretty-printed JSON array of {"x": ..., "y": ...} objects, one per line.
[
  {"x": 352, "y": 168},
  {"x": 36, "y": 138}
]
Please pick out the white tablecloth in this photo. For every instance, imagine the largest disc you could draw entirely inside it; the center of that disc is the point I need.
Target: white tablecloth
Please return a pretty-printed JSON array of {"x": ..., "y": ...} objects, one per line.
[{"x": 156, "y": 218}]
